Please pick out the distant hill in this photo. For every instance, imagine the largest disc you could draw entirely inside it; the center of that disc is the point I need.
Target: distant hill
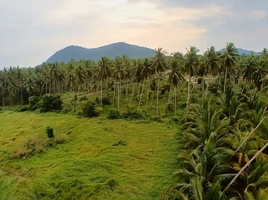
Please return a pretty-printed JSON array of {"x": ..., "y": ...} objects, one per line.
[
  {"x": 111, "y": 51},
  {"x": 243, "y": 51}
]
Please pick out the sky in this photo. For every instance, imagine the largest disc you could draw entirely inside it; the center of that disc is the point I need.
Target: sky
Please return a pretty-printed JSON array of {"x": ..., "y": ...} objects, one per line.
[{"x": 33, "y": 30}]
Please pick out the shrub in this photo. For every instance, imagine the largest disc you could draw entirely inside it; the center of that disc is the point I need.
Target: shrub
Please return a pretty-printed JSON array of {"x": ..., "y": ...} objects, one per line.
[
  {"x": 22, "y": 109},
  {"x": 49, "y": 132},
  {"x": 67, "y": 109},
  {"x": 106, "y": 101},
  {"x": 88, "y": 109},
  {"x": 51, "y": 103},
  {"x": 136, "y": 114},
  {"x": 113, "y": 114},
  {"x": 33, "y": 103}
]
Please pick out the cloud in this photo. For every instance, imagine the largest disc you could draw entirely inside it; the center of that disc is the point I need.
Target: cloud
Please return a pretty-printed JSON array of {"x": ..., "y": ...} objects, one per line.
[{"x": 32, "y": 31}]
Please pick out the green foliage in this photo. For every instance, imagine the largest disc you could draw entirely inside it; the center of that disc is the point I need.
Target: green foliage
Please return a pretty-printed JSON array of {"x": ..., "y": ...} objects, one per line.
[
  {"x": 22, "y": 108},
  {"x": 33, "y": 101},
  {"x": 135, "y": 114},
  {"x": 50, "y": 103},
  {"x": 49, "y": 132},
  {"x": 88, "y": 109},
  {"x": 170, "y": 107},
  {"x": 114, "y": 114},
  {"x": 120, "y": 143}
]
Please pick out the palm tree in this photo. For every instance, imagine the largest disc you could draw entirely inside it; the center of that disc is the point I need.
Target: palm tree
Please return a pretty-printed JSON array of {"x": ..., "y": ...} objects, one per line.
[
  {"x": 229, "y": 59},
  {"x": 249, "y": 65},
  {"x": 20, "y": 80},
  {"x": 119, "y": 74},
  {"x": 210, "y": 64},
  {"x": 259, "y": 73},
  {"x": 30, "y": 86},
  {"x": 191, "y": 64},
  {"x": 175, "y": 77},
  {"x": 104, "y": 71},
  {"x": 160, "y": 65},
  {"x": 144, "y": 71},
  {"x": 264, "y": 54}
]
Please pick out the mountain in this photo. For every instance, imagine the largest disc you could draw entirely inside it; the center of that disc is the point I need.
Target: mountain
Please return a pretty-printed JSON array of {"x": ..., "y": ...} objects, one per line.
[
  {"x": 243, "y": 51},
  {"x": 111, "y": 51}
]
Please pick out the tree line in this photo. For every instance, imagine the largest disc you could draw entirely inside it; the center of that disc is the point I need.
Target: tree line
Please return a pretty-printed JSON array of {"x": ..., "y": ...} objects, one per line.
[{"x": 123, "y": 73}]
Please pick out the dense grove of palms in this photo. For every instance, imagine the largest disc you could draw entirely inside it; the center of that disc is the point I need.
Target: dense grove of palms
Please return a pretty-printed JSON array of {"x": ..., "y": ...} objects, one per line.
[{"x": 224, "y": 129}]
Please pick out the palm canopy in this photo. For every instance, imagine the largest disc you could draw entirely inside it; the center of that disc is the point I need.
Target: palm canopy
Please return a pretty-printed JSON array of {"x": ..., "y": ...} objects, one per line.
[
  {"x": 175, "y": 76},
  {"x": 210, "y": 62},
  {"x": 159, "y": 60},
  {"x": 249, "y": 65},
  {"x": 191, "y": 61},
  {"x": 104, "y": 68}
]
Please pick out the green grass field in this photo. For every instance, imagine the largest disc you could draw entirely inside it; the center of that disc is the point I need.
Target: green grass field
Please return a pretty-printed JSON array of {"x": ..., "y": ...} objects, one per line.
[{"x": 87, "y": 165}]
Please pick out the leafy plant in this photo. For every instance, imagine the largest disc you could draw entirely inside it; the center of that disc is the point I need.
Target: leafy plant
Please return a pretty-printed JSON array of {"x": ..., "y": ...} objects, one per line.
[
  {"x": 51, "y": 103},
  {"x": 88, "y": 109},
  {"x": 113, "y": 114},
  {"x": 49, "y": 132}
]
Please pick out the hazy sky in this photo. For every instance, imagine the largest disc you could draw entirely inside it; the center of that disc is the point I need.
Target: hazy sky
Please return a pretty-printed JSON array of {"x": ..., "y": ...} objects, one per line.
[{"x": 32, "y": 30}]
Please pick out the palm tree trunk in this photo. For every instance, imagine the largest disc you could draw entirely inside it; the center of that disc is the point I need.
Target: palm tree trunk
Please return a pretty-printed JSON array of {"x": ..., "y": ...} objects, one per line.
[
  {"x": 127, "y": 91},
  {"x": 225, "y": 78},
  {"x": 101, "y": 93},
  {"x": 157, "y": 93},
  {"x": 153, "y": 95},
  {"x": 41, "y": 91},
  {"x": 188, "y": 96},
  {"x": 141, "y": 94},
  {"x": 118, "y": 93},
  {"x": 175, "y": 101},
  {"x": 114, "y": 94},
  {"x": 242, "y": 170},
  {"x": 133, "y": 90},
  {"x": 29, "y": 99},
  {"x": 78, "y": 95},
  {"x": 21, "y": 97},
  {"x": 3, "y": 98},
  {"x": 148, "y": 91},
  {"x": 203, "y": 87},
  {"x": 169, "y": 95}
]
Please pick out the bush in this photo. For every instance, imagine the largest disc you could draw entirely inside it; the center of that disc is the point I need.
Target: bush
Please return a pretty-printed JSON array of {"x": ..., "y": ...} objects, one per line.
[
  {"x": 106, "y": 101},
  {"x": 113, "y": 114},
  {"x": 136, "y": 114},
  {"x": 88, "y": 109},
  {"x": 33, "y": 103},
  {"x": 50, "y": 103},
  {"x": 49, "y": 132},
  {"x": 22, "y": 109},
  {"x": 67, "y": 109}
]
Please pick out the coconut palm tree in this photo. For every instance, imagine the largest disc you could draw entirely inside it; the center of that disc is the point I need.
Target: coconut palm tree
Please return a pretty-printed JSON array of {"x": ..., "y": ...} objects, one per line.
[
  {"x": 249, "y": 65},
  {"x": 191, "y": 65},
  {"x": 175, "y": 76},
  {"x": 144, "y": 71},
  {"x": 159, "y": 63},
  {"x": 119, "y": 74},
  {"x": 104, "y": 72},
  {"x": 229, "y": 60},
  {"x": 264, "y": 54},
  {"x": 210, "y": 64}
]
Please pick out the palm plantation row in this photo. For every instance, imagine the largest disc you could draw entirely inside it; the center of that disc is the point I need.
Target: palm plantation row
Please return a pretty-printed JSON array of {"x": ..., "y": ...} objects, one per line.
[{"x": 131, "y": 76}]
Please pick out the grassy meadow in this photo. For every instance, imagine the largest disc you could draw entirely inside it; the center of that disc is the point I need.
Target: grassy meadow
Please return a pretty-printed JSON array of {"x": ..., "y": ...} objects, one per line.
[{"x": 87, "y": 162}]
